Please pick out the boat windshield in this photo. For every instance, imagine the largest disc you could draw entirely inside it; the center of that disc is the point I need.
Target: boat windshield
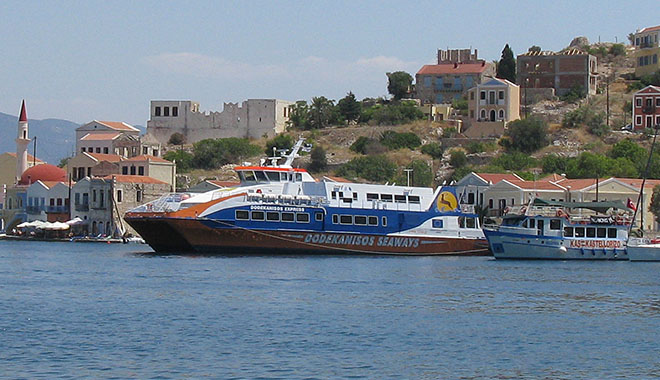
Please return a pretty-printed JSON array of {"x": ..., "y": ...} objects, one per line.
[{"x": 273, "y": 176}]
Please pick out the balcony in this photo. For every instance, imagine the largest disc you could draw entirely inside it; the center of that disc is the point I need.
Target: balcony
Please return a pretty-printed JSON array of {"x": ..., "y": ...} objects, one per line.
[
  {"x": 34, "y": 209},
  {"x": 82, "y": 207},
  {"x": 648, "y": 110},
  {"x": 57, "y": 209}
]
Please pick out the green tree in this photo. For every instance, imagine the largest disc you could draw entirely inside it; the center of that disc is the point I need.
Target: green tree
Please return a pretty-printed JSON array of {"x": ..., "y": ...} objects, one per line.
[
  {"x": 654, "y": 207},
  {"x": 349, "y": 107},
  {"x": 63, "y": 162},
  {"x": 421, "y": 175},
  {"x": 506, "y": 67},
  {"x": 299, "y": 115},
  {"x": 514, "y": 161},
  {"x": 553, "y": 163},
  {"x": 279, "y": 142},
  {"x": 526, "y": 135},
  {"x": 177, "y": 139},
  {"x": 322, "y": 112},
  {"x": 458, "y": 159},
  {"x": 319, "y": 161},
  {"x": 534, "y": 49},
  {"x": 399, "y": 84},
  {"x": 576, "y": 93},
  {"x": 375, "y": 168},
  {"x": 213, "y": 153},
  {"x": 184, "y": 160},
  {"x": 629, "y": 149},
  {"x": 651, "y": 79}
]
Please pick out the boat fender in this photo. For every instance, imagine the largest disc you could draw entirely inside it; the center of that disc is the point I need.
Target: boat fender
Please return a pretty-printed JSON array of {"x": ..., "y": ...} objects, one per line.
[{"x": 562, "y": 250}]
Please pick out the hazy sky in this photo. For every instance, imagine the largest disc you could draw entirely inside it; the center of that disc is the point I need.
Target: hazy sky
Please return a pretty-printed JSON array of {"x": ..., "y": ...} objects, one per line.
[{"x": 105, "y": 60}]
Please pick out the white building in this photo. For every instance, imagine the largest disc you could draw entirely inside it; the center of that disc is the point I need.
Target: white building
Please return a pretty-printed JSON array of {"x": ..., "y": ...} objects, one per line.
[{"x": 253, "y": 118}]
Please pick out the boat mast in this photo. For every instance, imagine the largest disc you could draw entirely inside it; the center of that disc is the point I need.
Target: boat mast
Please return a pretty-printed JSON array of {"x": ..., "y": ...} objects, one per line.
[{"x": 646, "y": 173}]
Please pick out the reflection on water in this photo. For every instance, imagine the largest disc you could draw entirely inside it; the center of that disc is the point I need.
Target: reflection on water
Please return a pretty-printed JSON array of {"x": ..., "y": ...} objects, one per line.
[{"x": 103, "y": 311}]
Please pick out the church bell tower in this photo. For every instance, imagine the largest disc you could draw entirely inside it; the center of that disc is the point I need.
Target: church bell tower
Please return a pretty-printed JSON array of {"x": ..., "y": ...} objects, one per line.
[{"x": 22, "y": 142}]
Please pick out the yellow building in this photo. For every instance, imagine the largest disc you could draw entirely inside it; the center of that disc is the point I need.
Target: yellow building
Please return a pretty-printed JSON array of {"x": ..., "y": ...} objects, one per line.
[
  {"x": 436, "y": 112},
  {"x": 647, "y": 50},
  {"x": 8, "y": 170}
]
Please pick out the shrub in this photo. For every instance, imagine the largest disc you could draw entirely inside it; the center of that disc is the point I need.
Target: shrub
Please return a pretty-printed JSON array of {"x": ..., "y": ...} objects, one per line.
[
  {"x": 458, "y": 159},
  {"x": 421, "y": 175},
  {"x": 184, "y": 160},
  {"x": 280, "y": 141},
  {"x": 449, "y": 132},
  {"x": 433, "y": 149},
  {"x": 526, "y": 135},
  {"x": 574, "y": 94},
  {"x": 213, "y": 153},
  {"x": 618, "y": 49},
  {"x": 366, "y": 145},
  {"x": 319, "y": 161},
  {"x": 177, "y": 139},
  {"x": 514, "y": 161},
  {"x": 395, "y": 140},
  {"x": 375, "y": 168},
  {"x": 476, "y": 147}
]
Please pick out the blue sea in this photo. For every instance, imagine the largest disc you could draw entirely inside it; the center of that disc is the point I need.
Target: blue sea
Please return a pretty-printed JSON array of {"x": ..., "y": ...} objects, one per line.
[{"x": 114, "y": 311}]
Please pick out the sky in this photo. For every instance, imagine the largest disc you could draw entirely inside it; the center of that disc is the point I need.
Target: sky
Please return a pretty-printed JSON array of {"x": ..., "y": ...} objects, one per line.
[{"x": 106, "y": 60}]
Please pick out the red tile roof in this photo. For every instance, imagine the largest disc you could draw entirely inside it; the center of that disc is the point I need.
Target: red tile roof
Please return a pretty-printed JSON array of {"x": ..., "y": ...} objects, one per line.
[
  {"x": 50, "y": 184},
  {"x": 637, "y": 182},
  {"x": 650, "y": 29},
  {"x": 450, "y": 68},
  {"x": 552, "y": 178},
  {"x": 105, "y": 157},
  {"x": 118, "y": 125},
  {"x": 100, "y": 136},
  {"x": 135, "y": 179},
  {"x": 536, "y": 185},
  {"x": 497, "y": 177},
  {"x": 146, "y": 157},
  {"x": 579, "y": 184}
]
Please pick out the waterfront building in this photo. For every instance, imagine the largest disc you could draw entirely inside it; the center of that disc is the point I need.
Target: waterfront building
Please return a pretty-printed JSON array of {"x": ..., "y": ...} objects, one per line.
[
  {"x": 471, "y": 188},
  {"x": 646, "y": 108},
  {"x": 150, "y": 166},
  {"x": 102, "y": 202},
  {"x": 253, "y": 118},
  {"x": 83, "y": 164},
  {"x": 563, "y": 71},
  {"x": 647, "y": 49},
  {"x": 48, "y": 201}
]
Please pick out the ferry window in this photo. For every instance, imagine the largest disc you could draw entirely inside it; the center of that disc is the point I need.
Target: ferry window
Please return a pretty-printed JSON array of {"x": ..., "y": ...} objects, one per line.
[
  {"x": 273, "y": 216},
  {"x": 372, "y": 197},
  {"x": 241, "y": 177},
  {"x": 335, "y": 219},
  {"x": 591, "y": 232},
  {"x": 355, "y": 195},
  {"x": 347, "y": 200},
  {"x": 532, "y": 223},
  {"x": 282, "y": 176},
  {"x": 601, "y": 232},
  {"x": 400, "y": 198},
  {"x": 261, "y": 176},
  {"x": 413, "y": 199},
  {"x": 373, "y": 220},
  {"x": 287, "y": 217},
  {"x": 302, "y": 217},
  {"x": 334, "y": 195},
  {"x": 461, "y": 221},
  {"x": 438, "y": 223},
  {"x": 524, "y": 224},
  {"x": 299, "y": 177},
  {"x": 568, "y": 231},
  {"x": 360, "y": 220},
  {"x": 257, "y": 215},
  {"x": 346, "y": 219},
  {"x": 318, "y": 216},
  {"x": 386, "y": 197},
  {"x": 242, "y": 215},
  {"x": 555, "y": 224},
  {"x": 273, "y": 176},
  {"x": 470, "y": 223},
  {"x": 384, "y": 221},
  {"x": 249, "y": 176},
  {"x": 579, "y": 231},
  {"x": 611, "y": 233}
]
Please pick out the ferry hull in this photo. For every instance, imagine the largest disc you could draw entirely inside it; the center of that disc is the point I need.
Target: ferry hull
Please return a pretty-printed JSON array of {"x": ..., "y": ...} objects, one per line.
[
  {"x": 190, "y": 235},
  {"x": 644, "y": 252},
  {"x": 514, "y": 246}
]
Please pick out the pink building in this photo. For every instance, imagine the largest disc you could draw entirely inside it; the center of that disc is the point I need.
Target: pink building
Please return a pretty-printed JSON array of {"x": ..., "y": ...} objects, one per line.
[{"x": 646, "y": 108}]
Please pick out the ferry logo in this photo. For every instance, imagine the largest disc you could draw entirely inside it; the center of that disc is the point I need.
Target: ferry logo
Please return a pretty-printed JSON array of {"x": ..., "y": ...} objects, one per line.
[{"x": 446, "y": 201}]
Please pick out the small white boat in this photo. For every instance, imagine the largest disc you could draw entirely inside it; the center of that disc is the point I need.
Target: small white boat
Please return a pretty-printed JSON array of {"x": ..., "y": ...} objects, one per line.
[{"x": 643, "y": 249}]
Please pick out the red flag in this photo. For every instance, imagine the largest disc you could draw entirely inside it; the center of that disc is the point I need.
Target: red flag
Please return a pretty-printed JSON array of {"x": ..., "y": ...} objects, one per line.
[{"x": 631, "y": 205}]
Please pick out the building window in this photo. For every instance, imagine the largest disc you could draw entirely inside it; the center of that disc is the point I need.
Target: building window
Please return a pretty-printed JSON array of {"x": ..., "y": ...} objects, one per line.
[
  {"x": 501, "y": 114},
  {"x": 501, "y": 95},
  {"x": 482, "y": 95},
  {"x": 483, "y": 114},
  {"x": 175, "y": 111},
  {"x": 138, "y": 195},
  {"x": 82, "y": 149},
  {"x": 638, "y": 120},
  {"x": 93, "y": 197},
  {"x": 119, "y": 196},
  {"x": 427, "y": 81},
  {"x": 105, "y": 150},
  {"x": 166, "y": 111},
  {"x": 124, "y": 170},
  {"x": 98, "y": 150},
  {"x": 157, "y": 111},
  {"x": 472, "y": 95},
  {"x": 141, "y": 170},
  {"x": 471, "y": 114},
  {"x": 638, "y": 102},
  {"x": 77, "y": 198},
  {"x": 133, "y": 170},
  {"x": 145, "y": 150}
]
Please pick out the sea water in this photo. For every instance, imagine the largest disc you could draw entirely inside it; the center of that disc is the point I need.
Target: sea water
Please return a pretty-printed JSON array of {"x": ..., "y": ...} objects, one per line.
[{"x": 89, "y": 310}]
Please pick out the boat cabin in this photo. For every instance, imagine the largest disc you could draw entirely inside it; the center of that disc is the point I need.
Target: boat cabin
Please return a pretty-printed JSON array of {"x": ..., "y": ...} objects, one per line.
[{"x": 252, "y": 175}]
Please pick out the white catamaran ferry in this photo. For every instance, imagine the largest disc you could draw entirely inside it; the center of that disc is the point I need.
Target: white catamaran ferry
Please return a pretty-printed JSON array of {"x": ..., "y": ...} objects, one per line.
[
  {"x": 562, "y": 231},
  {"x": 278, "y": 209}
]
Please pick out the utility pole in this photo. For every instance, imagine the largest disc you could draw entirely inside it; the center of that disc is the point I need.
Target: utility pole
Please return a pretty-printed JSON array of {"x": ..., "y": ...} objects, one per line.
[
  {"x": 607, "y": 90},
  {"x": 408, "y": 171}
]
